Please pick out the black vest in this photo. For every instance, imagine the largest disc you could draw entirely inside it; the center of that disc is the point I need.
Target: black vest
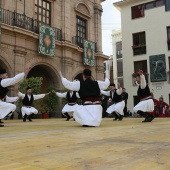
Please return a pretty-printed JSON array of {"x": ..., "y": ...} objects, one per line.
[
  {"x": 142, "y": 93},
  {"x": 26, "y": 101},
  {"x": 3, "y": 91},
  {"x": 116, "y": 98},
  {"x": 72, "y": 99},
  {"x": 89, "y": 89}
]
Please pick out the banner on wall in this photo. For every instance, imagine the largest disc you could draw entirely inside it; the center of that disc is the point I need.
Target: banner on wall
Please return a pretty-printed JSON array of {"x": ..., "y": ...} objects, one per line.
[
  {"x": 89, "y": 53},
  {"x": 46, "y": 40},
  {"x": 157, "y": 68}
]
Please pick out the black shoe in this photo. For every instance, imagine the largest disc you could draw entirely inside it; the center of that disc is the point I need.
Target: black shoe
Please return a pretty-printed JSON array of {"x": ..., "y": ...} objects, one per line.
[
  {"x": 24, "y": 118},
  {"x": 150, "y": 118},
  {"x": 29, "y": 118},
  {"x": 68, "y": 118},
  {"x": 120, "y": 117},
  {"x": 115, "y": 118},
  {"x": 1, "y": 122},
  {"x": 1, "y": 125},
  {"x": 85, "y": 125}
]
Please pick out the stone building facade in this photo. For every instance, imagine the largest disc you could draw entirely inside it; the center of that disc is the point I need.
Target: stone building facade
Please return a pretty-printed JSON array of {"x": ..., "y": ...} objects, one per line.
[{"x": 73, "y": 20}]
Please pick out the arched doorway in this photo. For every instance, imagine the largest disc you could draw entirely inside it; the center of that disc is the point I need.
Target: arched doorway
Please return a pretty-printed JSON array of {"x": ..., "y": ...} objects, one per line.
[
  {"x": 49, "y": 76},
  {"x": 3, "y": 66},
  {"x": 79, "y": 77}
]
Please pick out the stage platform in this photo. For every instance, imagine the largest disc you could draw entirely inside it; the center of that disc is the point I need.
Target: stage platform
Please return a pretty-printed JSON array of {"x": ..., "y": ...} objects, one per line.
[{"x": 56, "y": 144}]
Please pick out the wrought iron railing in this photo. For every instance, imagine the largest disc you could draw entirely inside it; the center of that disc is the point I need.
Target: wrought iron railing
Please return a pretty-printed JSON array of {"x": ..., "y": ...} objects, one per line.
[
  {"x": 22, "y": 21},
  {"x": 80, "y": 42}
]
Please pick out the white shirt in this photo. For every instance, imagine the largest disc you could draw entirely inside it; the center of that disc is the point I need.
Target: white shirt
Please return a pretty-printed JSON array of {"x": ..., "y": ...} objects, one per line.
[
  {"x": 36, "y": 97},
  {"x": 75, "y": 86},
  {"x": 11, "y": 81}
]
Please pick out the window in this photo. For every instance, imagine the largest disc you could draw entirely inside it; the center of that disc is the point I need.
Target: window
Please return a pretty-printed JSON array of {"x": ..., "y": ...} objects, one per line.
[
  {"x": 159, "y": 3},
  {"x": 137, "y": 11},
  {"x": 140, "y": 65},
  {"x": 154, "y": 4},
  {"x": 120, "y": 80},
  {"x": 119, "y": 68},
  {"x": 143, "y": 66},
  {"x": 139, "y": 43},
  {"x": 168, "y": 37},
  {"x": 119, "y": 50},
  {"x": 150, "y": 5},
  {"x": 139, "y": 39},
  {"x": 80, "y": 29},
  {"x": 167, "y": 5},
  {"x": 43, "y": 11}
]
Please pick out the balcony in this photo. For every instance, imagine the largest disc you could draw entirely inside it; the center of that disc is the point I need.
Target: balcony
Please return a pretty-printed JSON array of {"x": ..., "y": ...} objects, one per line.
[
  {"x": 80, "y": 42},
  {"x": 139, "y": 49},
  {"x": 24, "y": 22}
]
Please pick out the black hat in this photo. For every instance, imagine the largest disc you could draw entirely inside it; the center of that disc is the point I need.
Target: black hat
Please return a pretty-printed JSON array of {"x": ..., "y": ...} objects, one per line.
[
  {"x": 112, "y": 84},
  {"x": 28, "y": 88},
  {"x": 2, "y": 71},
  {"x": 87, "y": 72}
]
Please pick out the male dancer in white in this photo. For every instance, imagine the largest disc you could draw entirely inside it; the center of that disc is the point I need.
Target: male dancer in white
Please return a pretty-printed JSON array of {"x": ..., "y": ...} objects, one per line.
[
  {"x": 71, "y": 97},
  {"x": 118, "y": 104},
  {"x": 27, "y": 100},
  {"x": 7, "y": 108},
  {"x": 90, "y": 113}
]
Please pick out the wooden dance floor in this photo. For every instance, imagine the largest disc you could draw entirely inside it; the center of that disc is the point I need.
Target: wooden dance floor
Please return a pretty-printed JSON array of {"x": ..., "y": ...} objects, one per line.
[{"x": 54, "y": 144}]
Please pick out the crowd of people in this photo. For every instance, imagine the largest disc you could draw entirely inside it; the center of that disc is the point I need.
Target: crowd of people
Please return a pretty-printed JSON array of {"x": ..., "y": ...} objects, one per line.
[{"x": 97, "y": 102}]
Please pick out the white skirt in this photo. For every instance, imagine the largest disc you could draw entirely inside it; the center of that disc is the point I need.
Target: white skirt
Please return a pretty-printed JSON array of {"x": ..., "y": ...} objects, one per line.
[
  {"x": 6, "y": 108},
  {"x": 69, "y": 109},
  {"x": 118, "y": 107},
  {"x": 88, "y": 115},
  {"x": 145, "y": 106},
  {"x": 28, "y": 110}
]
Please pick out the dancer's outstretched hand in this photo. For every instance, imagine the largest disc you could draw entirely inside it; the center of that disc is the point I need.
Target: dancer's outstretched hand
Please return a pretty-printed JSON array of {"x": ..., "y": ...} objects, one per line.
[
  {"x": 17, "y": 90},
  {"x": 60, "y": 74},
  {"x": 118, "y": 85},
  {"x": 47, "y": 93},
  {"x": 53, "y": 91}
]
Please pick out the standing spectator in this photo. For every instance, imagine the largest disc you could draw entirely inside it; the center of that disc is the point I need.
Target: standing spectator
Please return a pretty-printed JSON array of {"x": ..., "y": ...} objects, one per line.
[
  {"x": 163, "y": 108},
  {"x": 125, "y": 98},
  {"x": 104, "y": 100}
]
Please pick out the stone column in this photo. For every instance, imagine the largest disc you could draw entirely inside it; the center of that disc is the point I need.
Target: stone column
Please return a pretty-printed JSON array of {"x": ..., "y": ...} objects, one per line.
[
  {"x": 19, "y": 60},
  {"x": 97, "y": 26}
]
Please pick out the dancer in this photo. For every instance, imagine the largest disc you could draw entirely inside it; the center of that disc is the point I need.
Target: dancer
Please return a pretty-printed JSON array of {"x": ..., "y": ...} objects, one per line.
[
  {"x": 71, "y": 97},
  {"x": 27, "y": 99},
  {"x": 117, "y": 103},
  {"x": 146, "y": 105},
  {"x": 5, "y": 107},
  {"x": 90, "y": 113}
]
